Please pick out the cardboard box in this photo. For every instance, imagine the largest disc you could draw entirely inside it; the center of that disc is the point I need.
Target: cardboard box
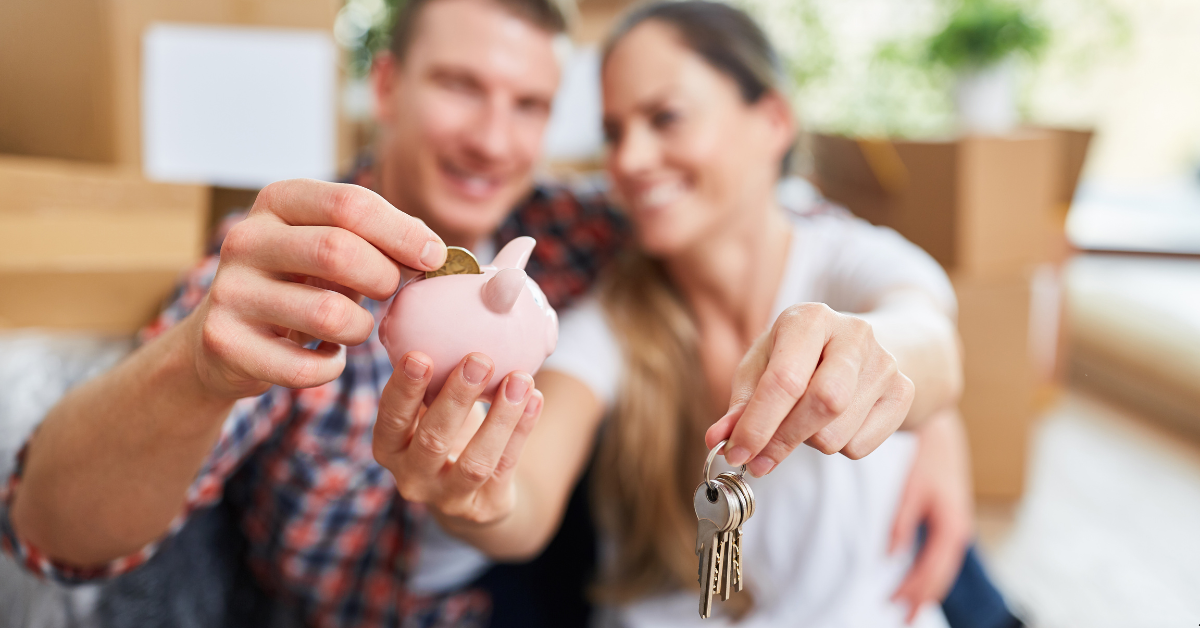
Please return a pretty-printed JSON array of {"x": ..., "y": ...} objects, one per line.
[
  {"x": 1000, "y": 382},
  {"x": 978, "y": 205},
  {"x": 71, "y": 68},
  {"x": 992, "y": 211},
  {"x": 119, "y": 301},
  {"x": 95, "y": 247}
]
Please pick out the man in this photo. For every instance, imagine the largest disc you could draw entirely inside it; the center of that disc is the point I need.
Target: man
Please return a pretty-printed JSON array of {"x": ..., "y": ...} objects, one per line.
[{"x": 223, "y": 399}]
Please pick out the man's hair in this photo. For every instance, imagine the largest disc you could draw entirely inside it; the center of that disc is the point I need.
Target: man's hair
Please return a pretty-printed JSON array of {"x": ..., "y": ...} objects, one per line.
[{"x": 544, "y": 14}]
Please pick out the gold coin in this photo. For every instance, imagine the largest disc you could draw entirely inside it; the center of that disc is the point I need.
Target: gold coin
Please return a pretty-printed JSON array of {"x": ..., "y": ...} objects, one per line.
[{"x": 459, "y": 261}]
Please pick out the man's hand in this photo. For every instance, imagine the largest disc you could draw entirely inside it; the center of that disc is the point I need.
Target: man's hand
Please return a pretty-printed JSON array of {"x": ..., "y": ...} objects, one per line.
[
  {"x": 816, "y": 377},
  {"x": 293, "y": 271},
  {"x": 938, "y": 494},
  {"x": 418, "y": 445}
]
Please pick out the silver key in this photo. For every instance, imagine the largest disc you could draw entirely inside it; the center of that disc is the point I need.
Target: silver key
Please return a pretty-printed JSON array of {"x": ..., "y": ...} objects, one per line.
[
  {"x": 734, "y": 554},
  {"x": 728, "y": 551},
  {"x": 714, "y": 506}
]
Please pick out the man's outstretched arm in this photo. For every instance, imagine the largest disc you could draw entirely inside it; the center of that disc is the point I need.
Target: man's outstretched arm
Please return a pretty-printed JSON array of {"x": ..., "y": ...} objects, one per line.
[{"x": 109, "y": 467}]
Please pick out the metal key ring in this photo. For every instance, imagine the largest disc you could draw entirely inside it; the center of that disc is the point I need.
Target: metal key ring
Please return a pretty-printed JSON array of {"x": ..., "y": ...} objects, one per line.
[{"x": 712, "y": 454}]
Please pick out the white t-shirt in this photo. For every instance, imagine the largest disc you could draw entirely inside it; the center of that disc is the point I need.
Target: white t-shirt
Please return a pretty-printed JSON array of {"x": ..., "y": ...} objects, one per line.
[{"x": 815, "y": 552}]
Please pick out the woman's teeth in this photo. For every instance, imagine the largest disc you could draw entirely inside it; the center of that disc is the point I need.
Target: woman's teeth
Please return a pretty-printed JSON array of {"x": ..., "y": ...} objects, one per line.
[{"x": 661, "y": 194}]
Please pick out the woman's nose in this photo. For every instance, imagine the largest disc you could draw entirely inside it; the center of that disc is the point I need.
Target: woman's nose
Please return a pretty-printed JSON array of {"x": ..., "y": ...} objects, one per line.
[{"x": 637, "y": 151}]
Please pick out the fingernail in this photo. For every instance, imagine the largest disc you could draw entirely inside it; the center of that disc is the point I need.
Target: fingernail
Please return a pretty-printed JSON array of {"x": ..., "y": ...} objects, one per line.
[
  {"x": 761, "y": 466},
  {"x": 415, "y": 369},
  {"x": 534, "y": 406},
  {"x": 515, "y": 389},
  {"x": 433, "y": 255},
  {"x": 737, "y": 456},
  {"x": 475, "y": 370}
]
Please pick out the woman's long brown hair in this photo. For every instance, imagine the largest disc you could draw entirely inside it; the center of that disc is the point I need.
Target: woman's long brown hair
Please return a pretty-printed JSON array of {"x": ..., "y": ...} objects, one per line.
[{"x": 652, "y": 450}]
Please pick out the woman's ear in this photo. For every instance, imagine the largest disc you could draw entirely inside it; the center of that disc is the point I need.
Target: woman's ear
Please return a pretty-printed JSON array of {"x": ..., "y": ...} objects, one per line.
[
  {"x": 780, "y": 119},
  {"x": 384, "y": 77}
]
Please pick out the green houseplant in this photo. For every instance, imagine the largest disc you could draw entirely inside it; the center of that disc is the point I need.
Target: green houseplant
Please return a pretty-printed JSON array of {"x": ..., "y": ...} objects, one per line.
[{"x": 980, "y": 44}]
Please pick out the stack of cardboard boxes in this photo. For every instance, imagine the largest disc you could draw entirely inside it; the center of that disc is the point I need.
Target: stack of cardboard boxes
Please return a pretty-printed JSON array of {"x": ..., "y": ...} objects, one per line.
[
  {"x": 91, "y": 246},
  {"x": 991, "y": 210},
  {"x": 89, "y": 243}
]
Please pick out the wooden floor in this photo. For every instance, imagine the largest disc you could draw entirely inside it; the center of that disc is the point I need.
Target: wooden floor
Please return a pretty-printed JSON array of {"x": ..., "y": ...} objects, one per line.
[{"x": 1108, "y": 531}]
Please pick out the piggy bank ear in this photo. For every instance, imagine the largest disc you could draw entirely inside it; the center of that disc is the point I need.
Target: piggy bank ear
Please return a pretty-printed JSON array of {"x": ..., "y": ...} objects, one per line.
[
  {"x": 515, "y": 253},
  {"x": 500, "y": 293}
]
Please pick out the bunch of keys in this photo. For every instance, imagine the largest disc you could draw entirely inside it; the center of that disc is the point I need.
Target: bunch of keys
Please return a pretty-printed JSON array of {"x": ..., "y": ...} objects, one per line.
[{"x": 722, "y": 505}]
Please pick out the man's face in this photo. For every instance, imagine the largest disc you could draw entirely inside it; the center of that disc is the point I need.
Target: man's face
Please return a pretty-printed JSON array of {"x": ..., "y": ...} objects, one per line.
[{"x": 461, "y": 118}]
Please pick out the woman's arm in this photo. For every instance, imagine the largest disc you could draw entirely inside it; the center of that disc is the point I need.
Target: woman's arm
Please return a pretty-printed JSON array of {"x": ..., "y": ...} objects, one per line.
[{"x": 506, "y": 492}]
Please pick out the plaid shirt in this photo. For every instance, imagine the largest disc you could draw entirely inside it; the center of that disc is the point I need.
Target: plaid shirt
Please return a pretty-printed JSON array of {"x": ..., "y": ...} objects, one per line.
[{"x": 328, "y": 533}]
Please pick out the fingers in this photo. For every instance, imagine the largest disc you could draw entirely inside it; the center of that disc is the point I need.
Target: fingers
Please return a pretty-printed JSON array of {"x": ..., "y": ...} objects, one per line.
[
  {"x": 335, "y": 255},
  {"x": 436, "y": 432},
  {"x": 306, "y": 202},
  {"x": 399, "y": 407},
  {"x": 246, "y": 353},
  {"x": 479, "y": 460},
  {"x": 883, "y": 420},
  {"x": 799, "y": 338},
  {"x": 796, "y": 430},
  {"x": 516, "y": 444},
  {"x": 934, "y": 568},
  {"x": 913, "y": 505},
  {"x": 833, "y": 388},
  {"x": 312, "y": 311}
]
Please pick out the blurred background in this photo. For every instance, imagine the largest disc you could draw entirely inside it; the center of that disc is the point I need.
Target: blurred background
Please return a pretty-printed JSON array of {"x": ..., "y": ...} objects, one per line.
[{"x": 1046, "y": 152}]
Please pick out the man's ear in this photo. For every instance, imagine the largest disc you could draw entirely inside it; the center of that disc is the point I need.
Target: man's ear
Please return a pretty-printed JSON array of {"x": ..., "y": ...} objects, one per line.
[{"x": 384, "y": 81}]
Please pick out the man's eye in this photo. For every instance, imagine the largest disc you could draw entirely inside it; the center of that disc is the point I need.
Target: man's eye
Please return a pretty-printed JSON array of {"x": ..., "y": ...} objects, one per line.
[
  {"x": 612, "y": 134},
  {"x": 534, "y": 106},
  {"x": 456, "y": 84}
]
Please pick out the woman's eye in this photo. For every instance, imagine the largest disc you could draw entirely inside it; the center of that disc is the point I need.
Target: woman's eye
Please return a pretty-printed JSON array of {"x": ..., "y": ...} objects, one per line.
[{"x": 663, "y": 119}]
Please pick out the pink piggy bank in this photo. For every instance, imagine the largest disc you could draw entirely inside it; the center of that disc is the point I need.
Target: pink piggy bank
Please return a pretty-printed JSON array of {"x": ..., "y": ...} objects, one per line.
[{"x": 501, "y": 313}]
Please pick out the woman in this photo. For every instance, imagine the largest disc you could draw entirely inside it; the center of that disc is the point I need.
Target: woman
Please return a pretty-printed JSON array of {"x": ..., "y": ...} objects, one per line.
[{"x": 698, "y": 130}]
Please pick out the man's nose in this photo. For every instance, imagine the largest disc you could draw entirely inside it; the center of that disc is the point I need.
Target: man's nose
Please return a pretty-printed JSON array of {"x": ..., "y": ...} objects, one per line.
[{"x": 492, "y": 135}]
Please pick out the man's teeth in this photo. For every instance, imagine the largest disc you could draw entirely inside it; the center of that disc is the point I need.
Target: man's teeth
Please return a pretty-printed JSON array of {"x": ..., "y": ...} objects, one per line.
[
  {"x": 477, "y": 184},
  {"x": 661, "y": 194},
  {"x": 473, "y": 183}
]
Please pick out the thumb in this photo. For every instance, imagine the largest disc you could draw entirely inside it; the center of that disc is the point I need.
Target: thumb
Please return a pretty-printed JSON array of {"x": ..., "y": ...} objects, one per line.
[
  {"x": 723, "y": 428},
  {"x": 751, "y": 369}
]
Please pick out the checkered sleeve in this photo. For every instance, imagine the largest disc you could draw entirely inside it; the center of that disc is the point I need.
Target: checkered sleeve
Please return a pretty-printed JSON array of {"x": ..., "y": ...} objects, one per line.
[{"x": 250, "y": 423}]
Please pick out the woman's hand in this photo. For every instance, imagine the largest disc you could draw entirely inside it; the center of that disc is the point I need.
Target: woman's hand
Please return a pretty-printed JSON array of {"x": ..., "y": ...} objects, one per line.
[
  {"x": 816, "y": 377},
  {"x": 938, "y": 494},
  {"x": 464, "y": 486}
]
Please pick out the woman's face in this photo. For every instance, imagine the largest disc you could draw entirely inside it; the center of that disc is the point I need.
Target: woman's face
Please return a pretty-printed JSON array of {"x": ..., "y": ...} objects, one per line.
[{"x": 688, "y": 156}]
